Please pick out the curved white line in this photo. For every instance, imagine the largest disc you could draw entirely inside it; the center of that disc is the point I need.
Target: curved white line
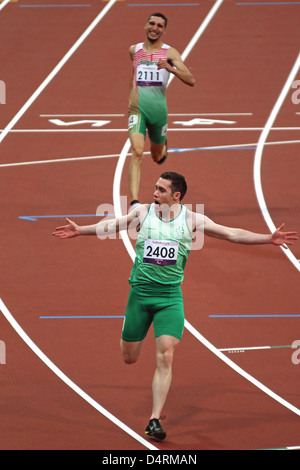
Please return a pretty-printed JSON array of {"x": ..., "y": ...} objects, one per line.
[
  {"x": 188, "y": 326},
  {"x": 258, "y": 158},
  {"x": 67, "y": 381}
]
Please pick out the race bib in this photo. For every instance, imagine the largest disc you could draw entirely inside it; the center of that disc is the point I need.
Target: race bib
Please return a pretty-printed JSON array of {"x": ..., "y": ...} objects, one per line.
[
  {"x": 148, "y": 75},
  {"x": 160, "y": 252}
]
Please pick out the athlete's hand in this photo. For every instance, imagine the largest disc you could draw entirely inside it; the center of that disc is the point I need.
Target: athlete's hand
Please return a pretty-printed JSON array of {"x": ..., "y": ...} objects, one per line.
[
  {"x": 164, "y": 64},
  {"x": 67, "y": 231},
  {"x": 283, "y": 239}
]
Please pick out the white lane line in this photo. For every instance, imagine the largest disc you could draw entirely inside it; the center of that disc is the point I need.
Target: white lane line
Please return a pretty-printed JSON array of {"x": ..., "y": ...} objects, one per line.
[
  {"x": 114, "y": 155},
  {"x": 3, "y": 4},
  {"x": 58, "y": 160},
  {"x": 56, "y": 69},
  {"x": 199, "y": 32},
  {"x": 188, "y": 326},
  {"x": 174, "y": 129},
  {"x": 258, "y": 158},
  {"x": 69, "y": 382},
  {"x": 254, "y": 348},
  {"x": 81, "y": 115},
  {"x": 240, "y": 371}
]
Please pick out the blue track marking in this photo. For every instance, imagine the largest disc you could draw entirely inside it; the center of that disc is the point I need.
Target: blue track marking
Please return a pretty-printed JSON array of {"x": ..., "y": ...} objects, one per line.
[
  {"x": 68, "y": 317},
  {"x": 53, "y": 6},
  {"x": 211, "y": 148},
  {"x": 254, "y": 316},
  {"x": 34, "y": 218}
]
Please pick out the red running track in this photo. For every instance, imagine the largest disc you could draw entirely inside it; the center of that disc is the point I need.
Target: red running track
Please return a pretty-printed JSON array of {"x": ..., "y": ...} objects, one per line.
[{"x": 241, "y": 61}]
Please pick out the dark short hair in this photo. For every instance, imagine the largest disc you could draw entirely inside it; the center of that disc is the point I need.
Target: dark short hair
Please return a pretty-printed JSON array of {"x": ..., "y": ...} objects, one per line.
[
  {"x": 178, "y": 182},
  {"x": 160, "y": 15}
]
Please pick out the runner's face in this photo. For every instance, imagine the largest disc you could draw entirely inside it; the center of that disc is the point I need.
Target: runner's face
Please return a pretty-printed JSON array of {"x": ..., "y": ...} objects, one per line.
[
  {"x": 155, "y": 28},
  {"x": 163, "y": 194}
]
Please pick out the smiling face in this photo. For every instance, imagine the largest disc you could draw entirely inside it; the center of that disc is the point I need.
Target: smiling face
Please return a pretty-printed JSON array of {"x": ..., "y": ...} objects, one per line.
[{"x": 155, "y": 28}]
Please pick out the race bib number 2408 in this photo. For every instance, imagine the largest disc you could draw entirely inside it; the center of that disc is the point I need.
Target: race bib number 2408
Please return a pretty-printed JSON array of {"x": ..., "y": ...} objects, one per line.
[{"x": 160, "y": 252}]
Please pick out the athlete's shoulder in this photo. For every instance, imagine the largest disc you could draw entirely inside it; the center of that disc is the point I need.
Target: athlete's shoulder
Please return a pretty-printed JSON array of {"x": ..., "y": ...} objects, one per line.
[
  {"x": 132, "y": 50},
  {"x": 194, "y": 220},
  {"x": 172, "y": 52}
]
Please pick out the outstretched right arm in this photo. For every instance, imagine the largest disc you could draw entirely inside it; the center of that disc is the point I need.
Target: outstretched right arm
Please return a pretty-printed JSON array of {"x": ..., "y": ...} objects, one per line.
[{"x": 103, "y": 228}]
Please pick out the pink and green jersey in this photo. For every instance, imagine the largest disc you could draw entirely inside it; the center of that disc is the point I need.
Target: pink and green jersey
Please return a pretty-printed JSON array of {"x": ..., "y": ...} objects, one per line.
[{"x": 149, "y": 83}]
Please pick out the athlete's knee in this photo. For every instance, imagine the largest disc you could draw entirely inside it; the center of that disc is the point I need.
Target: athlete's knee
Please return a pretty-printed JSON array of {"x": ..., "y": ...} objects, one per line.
[
  {"x": 164, "y": 358},
  {"x": 165, "y": 351},
  {"x": 137, "y": 144},
  {"x": 129, "y": 359},
  {"x": 130, "y": 352}
]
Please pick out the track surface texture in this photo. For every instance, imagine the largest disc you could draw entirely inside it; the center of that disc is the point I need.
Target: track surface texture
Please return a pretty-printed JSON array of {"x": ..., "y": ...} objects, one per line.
[{"x": 63, "y": 121}]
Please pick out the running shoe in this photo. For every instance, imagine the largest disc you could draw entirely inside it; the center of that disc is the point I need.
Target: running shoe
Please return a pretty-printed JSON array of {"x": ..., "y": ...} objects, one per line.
[{"x": 154, "y": 429}]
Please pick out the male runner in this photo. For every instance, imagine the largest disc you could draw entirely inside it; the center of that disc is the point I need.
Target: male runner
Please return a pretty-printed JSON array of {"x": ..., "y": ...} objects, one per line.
[
  {"x": 167, "y": 229},
  {"x": 153, "y": 61}
]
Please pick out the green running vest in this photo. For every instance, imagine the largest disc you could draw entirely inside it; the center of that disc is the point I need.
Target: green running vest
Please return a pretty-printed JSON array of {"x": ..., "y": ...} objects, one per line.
[{"x": 162, "y": 249}]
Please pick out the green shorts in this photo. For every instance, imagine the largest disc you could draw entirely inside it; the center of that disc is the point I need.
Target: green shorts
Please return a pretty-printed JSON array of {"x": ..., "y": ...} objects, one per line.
[
  {"x": 162, "y": 307},
  {"x": 157, "y": 127}
]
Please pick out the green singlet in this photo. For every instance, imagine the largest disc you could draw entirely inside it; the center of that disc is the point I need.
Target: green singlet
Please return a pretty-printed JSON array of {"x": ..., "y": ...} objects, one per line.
[{"x": 162, "y": 249}]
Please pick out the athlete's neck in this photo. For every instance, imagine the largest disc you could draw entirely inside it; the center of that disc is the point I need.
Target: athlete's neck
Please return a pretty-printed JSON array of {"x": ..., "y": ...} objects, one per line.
[
  {"x": 152, "y": 46},
  {"x": 168, "y": 213}
]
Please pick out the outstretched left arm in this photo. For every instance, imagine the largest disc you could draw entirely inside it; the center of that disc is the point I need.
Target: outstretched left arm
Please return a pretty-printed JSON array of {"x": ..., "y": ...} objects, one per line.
[{"x": 237, "y": 235}]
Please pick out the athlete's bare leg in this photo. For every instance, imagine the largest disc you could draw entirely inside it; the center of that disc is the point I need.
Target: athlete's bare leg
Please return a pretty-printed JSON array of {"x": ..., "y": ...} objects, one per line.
[
  {"x": 165, "y": 346},
  {"x": 137, "y": 144}
]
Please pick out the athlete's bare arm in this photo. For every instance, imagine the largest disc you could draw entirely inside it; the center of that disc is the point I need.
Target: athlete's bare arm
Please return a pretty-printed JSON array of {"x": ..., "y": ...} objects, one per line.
[
  {"x": 105, "y": 227},
  {"x": 174, "y": 64},
  {"x": 237, "y": 235}
]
